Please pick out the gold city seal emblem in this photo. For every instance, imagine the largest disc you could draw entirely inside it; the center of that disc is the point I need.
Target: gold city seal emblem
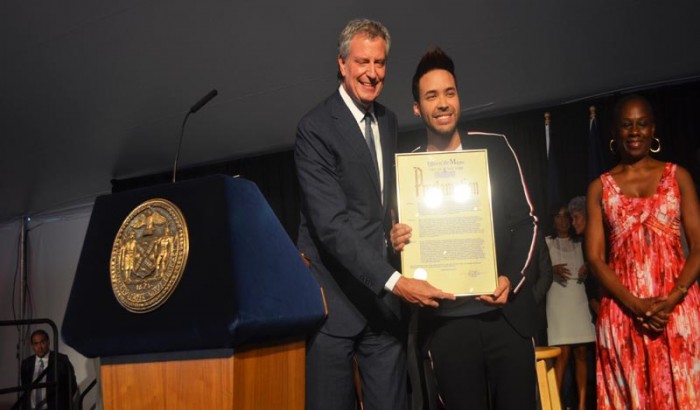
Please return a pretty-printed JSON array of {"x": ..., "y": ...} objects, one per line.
[{"x": 149, "y": 255}]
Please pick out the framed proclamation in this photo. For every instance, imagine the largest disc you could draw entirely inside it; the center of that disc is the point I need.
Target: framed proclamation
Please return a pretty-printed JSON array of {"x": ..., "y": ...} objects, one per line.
[{"x": 445, "y": 197}]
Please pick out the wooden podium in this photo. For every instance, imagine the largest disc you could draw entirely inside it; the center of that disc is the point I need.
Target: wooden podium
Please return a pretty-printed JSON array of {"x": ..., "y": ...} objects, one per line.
[
  {"x": 231, "y": 335},
  {"x": 270, "y": 377}
]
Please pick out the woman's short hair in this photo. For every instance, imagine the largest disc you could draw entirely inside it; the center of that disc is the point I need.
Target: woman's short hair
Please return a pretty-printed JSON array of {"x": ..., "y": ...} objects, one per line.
[{"x": 577, "y": 204}]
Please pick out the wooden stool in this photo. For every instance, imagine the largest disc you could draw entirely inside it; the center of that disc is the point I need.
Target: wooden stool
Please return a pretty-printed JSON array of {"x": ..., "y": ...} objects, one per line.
[{"x": 546, "y": 378}]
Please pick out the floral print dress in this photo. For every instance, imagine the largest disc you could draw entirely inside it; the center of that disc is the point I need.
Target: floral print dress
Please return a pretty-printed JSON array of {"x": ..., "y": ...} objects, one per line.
[{"x": 637, "y": 369}]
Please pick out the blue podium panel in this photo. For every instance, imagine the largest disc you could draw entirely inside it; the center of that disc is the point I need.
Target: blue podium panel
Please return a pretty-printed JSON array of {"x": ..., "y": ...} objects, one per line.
[{"x": 243, "y": 283}]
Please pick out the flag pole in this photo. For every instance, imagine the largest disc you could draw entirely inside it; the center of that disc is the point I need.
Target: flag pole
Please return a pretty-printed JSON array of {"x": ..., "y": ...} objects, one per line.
[{"x": 547, "y": 118}]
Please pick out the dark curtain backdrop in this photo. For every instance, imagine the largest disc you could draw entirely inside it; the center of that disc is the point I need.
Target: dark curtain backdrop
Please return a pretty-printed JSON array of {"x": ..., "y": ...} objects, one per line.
[{"x": 677, "y": 110}]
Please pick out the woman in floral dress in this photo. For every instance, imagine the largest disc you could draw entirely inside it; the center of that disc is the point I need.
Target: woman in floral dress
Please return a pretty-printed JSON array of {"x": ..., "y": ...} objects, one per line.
[{"x": 648, "y": 330}]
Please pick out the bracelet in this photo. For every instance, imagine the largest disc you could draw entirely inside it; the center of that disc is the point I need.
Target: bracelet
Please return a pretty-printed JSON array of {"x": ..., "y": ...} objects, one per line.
[{"x": 682, "y": 289}]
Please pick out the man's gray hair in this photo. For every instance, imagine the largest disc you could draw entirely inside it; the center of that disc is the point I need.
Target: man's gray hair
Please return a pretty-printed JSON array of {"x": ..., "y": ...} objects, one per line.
[
  {"x": 577, "y": 204},
  {"x": 370, "y": 28}
]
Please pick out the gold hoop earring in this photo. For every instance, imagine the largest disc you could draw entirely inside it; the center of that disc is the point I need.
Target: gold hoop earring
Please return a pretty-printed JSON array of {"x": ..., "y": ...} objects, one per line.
[
  {"x": 658, "y": 148},
  {"x": 610, "y": 146}
]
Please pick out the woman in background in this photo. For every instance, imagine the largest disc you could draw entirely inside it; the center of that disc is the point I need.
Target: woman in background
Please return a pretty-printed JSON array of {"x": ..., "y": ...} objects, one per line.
[
  {"x": 569, "y": 323},
  {"x": 648, "y": 329},
  {"x": 577, "y": 210}
]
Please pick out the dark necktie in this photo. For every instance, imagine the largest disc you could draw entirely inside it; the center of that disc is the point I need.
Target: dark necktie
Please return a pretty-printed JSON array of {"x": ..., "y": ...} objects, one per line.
[{"x": 369, "y": 138}]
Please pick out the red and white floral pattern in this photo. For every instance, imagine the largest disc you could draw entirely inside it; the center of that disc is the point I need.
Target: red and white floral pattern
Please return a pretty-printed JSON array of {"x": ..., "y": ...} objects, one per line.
[{"x": 637, "y": 369}]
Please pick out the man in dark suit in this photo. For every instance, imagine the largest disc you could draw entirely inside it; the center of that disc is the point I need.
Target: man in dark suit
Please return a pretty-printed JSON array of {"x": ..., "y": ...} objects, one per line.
[
  {"x": 41, "y": 364},
  {"x": 344, "y": 157},
  {"x": 481, "y": 347},
  {"x": 539, "y": 273}
]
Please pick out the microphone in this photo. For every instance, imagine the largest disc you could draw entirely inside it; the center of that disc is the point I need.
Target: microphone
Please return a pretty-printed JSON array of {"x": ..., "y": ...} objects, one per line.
[
  {"x": 211, "y": 94},
  {"x": 201, "y": 103}
]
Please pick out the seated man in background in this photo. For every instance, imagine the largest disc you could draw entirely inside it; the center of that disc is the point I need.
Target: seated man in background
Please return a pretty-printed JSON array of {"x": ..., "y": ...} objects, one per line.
[{"x": 40, "y": 365}]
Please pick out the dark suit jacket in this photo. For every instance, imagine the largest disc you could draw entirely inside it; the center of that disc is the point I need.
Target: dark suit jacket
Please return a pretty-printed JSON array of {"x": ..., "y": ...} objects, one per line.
[
  {"x": 344, "y": 224},
  {"x": 66, "y": 375},
  {"x": 514, "y": 231}
]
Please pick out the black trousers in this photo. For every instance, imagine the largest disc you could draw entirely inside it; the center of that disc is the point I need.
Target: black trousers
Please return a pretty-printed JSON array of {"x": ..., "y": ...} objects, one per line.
[
  {"x": 481, "y": 362},
  {"x": 381, "y": 358}
]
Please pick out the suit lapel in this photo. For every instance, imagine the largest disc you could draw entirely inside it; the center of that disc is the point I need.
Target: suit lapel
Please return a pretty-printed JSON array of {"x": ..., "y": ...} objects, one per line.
[
  {"x": 52, "y": 362},
  {"x": 350, "y": 131}
]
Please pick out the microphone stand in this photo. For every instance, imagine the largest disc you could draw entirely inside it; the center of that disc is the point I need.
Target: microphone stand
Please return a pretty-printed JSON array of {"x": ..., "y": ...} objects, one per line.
[
  {"x": 179, "y": 145},
  {"x": 203, "y": 101}
]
